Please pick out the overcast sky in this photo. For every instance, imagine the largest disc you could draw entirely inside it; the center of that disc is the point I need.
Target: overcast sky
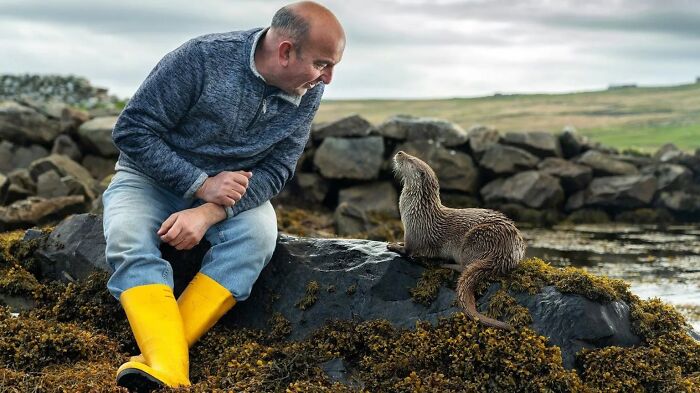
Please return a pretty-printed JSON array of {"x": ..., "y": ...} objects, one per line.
[{"x": 395, "y": 48}]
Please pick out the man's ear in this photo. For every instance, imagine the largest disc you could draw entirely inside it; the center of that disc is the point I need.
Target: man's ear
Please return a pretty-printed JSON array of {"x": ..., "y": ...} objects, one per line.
[{"x": 284, "y": 53}]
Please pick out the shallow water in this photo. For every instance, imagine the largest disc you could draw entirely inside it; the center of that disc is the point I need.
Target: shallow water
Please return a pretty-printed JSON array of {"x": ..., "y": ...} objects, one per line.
[{"x": 661, "y": 262}]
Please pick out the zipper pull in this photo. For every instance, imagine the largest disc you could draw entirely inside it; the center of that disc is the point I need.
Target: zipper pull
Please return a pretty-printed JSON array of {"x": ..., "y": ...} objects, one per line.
[{"x": 264, "y": 108}]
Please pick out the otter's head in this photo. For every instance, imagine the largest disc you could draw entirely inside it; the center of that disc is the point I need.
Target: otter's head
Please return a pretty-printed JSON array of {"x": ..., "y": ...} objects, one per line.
[{"x": 414, "y": 172}]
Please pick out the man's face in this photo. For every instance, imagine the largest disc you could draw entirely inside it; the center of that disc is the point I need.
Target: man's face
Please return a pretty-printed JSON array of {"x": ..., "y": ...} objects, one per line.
[{"x": 312, "y": 65}]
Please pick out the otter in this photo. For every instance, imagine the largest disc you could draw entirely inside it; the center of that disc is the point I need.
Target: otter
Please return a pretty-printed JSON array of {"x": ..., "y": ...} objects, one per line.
[{"x": 482, "y": 242}]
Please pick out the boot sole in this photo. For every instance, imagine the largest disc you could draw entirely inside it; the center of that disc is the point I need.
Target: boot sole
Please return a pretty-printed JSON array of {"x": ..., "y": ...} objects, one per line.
[{"x": 136, "y": 380}]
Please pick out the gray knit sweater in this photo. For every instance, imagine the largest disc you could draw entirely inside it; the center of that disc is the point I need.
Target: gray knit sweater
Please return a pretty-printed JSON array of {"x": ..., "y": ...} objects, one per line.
[{"x": 204, "y": 109}]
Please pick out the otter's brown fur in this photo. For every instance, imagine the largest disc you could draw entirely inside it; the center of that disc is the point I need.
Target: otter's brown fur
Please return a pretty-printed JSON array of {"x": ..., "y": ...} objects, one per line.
[{"x": 481, "y": 241}]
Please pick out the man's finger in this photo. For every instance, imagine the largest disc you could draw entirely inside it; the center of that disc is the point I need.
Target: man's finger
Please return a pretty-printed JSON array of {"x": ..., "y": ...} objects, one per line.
[
  {"x": 165, "y": 226},
  {"x": 172, "y": 233}
]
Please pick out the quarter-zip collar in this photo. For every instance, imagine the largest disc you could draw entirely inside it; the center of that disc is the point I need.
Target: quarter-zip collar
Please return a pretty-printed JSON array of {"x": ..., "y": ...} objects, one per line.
[{"x": 292, "y": 99}]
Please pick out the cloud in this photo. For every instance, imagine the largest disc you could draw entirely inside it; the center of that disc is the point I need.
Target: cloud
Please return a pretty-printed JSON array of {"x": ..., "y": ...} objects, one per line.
[{"x": 395, "y": 48}]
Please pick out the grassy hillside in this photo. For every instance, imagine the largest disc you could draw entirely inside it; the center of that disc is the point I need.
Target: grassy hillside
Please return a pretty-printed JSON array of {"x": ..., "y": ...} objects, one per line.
[{"x": 643, "y": 118}]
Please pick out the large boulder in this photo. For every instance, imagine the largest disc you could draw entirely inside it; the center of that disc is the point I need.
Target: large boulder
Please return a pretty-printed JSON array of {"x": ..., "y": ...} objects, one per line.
[
  {"x": 38, "y": 211},
  {"x": 530, "y": 188},
  {"x": 480, "y": 138},
  {"x": 350, "y": 158},
  {"x": 65, "y": 168},
  {"x": 669, "y": 176},
  {"x": 311, "y": 281},
  {"x": 455, "y": 170},
  {"x": 23, "y": 124},
  {"x": 411, "y": 128},
  {"x": 573, "y": 176},
  {"x": 680, "y": 201},
  {"x": 97, "y": 135},
  {"x": 349, "y": 126},
  {"x": 542, "y": 144},
  {"x": 605, "y": 165},
  {"x": 14, "y": 156},
  {"x": 380, "y": 197},
  {"x": 504, "y": 160},
  {"x": 572, "y": 143},
  {"x": 63, "y": 144},
  {"x": 626, "y": 192}
]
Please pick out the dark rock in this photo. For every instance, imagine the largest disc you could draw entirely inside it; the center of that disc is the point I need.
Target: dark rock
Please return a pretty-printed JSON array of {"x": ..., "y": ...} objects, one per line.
[
  {"x": 99, "y": 167},
  {"x": 455, "y": 170},
  {"x": 72, "y": 118},
  {"x": 22, "y": 178},
  {"x": 23, "y": 125},
  {"x": 573, "y": 177},
  {"x": 64, "y": 166},
  {"x": 16, "y": 193},
  {"x": 313, "y": 187},
  {"x": 23, "y": 156},
  {"x": 621, "y": 191},
  {"x": 4, "y": 188},
  {"x": 529, "y": 188},
  {"x": 504, "y": 160},
  {"x": 411, "y": 128},
  {"x": 369, "y": 281},
  {"x": 573, "y": 322},
  {"x": 349, "y": 220},
  {"x": 541, "y": 144},
  {"x": 572, "y": 143},
  {"x": 680, "y": 201},
  {"x": 6, "y": 164},
  {"x": 669, "y": 176},
  {"x": 350, "y": 158},
  {"x": 667, "y": 153},
  {"x": 97, "y": 135},
  {"x": 63, "y": 144},
  {"x": 36, "y": 211},
  {"x": 350, "y": 126},
  {"x": 49, "y": 185},
  {"x": 458, "y": 200},
  {"x": 605, "y": 165},
  {"x": 379, "y": 197},
  {"x": 575, "y": 201},
  {"x": 480, "y": 138}
]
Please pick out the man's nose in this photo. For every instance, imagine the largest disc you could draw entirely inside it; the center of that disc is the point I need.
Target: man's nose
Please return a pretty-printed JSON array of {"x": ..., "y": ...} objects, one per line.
[{"x": 327, "y": 75}]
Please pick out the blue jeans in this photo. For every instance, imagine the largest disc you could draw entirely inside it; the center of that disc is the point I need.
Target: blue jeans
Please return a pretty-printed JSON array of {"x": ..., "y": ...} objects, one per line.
[{"x": 135, "y": 206}]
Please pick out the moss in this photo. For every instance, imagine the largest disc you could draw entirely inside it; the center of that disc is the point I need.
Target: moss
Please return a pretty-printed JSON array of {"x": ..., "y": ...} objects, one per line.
[
  {"x": 303, "y": 222},
  {"x": 31, "y": 344},
  {"x": 310, "y": 297},
  {"x": 428, "y": 287},
  {"x": 7, "y": 240},
  {"x": 532, "y": 274},
  {"x": 18, "y": 282},
  {"x": 280, "y": 327},
  {"x": 588, "y": 216},
  {"x": 504, "y": 307}
]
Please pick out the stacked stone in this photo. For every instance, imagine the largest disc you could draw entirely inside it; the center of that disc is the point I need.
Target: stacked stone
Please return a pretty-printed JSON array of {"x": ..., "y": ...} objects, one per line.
[
  {"x": 534, "y": 176},
  {"x": 71, "y": 90},
  {"x": 56, "y": 160}
]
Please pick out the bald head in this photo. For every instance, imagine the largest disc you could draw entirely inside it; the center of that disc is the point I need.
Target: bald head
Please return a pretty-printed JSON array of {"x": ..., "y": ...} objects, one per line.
[{"x": 306, "y": 23}]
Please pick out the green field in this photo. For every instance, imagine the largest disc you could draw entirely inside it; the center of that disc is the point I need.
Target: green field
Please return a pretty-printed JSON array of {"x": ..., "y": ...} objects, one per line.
[{"x": 641, "y": 118}]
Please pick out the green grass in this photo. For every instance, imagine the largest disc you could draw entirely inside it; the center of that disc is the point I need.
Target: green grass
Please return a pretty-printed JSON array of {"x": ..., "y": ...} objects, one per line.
[{"x": 642, "y": 118}]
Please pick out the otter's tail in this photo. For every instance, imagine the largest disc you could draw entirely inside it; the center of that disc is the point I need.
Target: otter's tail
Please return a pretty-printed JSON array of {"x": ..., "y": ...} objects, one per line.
[{"x": 473, "y": 274}]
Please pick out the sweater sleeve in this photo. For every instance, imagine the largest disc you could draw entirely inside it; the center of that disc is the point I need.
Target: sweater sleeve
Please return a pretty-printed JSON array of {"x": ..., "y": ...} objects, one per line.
[
  {"x": 156, "y": 108},
  {"x": 274, "y": 171}
]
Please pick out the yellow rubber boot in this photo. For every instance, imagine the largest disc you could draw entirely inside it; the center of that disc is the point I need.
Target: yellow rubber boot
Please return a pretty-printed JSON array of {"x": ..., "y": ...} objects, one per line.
[
  {"x": 157, "y": 326},
  {"x": 201, "y": 305}
]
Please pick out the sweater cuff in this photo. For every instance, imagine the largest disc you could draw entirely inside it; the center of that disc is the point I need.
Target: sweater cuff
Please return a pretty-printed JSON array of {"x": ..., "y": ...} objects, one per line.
[
  {"x": 229, "y": 211},
  {"x": 195, "y": 186}
]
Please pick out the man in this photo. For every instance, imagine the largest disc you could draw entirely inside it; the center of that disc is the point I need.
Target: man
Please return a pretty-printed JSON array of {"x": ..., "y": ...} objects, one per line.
[{"x": 211, "y": 135}]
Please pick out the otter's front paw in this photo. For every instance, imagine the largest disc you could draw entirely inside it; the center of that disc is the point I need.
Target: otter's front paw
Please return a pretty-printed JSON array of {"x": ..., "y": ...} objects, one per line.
[{"x": 397, "y": 247}]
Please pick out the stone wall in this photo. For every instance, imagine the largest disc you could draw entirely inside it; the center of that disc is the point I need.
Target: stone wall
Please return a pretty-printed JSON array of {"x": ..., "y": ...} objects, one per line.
[{"x": 56, "y": 159}]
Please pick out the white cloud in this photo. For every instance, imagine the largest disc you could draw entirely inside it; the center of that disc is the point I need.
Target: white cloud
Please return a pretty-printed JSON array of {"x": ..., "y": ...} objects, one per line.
[{"x": 396, "y": 48}]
